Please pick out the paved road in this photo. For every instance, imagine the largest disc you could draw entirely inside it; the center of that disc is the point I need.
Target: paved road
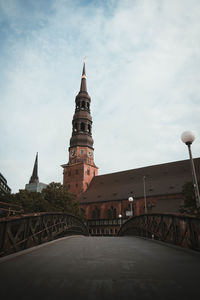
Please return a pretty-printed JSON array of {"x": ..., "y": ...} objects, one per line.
[{"x": 101, "y": 268}]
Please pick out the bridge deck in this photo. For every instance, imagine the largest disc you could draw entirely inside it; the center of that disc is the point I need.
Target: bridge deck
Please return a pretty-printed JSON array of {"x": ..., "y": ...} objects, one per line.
[{"x": 101, "y": 268}]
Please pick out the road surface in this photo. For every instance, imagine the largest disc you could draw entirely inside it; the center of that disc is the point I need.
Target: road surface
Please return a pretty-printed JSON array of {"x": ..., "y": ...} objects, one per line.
[{"x": 101, "y": 268}]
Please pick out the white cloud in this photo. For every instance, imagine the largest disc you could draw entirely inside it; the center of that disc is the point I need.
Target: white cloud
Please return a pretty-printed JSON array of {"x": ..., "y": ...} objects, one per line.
[{"x": 143, "y": 76}]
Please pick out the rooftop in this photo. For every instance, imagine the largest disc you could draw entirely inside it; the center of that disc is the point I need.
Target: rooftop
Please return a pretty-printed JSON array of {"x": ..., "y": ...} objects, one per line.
[{"x": 162, "y": 179}]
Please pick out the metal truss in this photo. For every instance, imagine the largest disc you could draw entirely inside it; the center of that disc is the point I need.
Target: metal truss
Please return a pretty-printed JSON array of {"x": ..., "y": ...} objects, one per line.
[
  {"x": 177, "y": 229},
  {"x": 25, "y": 231}
]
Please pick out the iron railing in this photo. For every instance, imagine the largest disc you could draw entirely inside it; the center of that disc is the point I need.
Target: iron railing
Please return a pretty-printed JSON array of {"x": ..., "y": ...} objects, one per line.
[
  {"x": 25, "y": 231},
  {"x": 176, "y": 229}
]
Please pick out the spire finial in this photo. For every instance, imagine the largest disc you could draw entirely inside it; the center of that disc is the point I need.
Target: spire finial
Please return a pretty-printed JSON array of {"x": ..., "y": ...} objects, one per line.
[
  {"x": 83, "y": 73},
  {"x": 83, "y": 87},
  {"x": 34, "y": 178}
]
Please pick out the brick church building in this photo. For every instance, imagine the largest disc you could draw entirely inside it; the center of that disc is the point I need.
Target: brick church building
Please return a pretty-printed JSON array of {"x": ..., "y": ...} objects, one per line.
[{"x": 103, "y": 198}]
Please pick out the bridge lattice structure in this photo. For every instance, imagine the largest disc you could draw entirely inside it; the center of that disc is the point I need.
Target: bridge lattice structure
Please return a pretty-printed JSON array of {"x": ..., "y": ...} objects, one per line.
[
  {"x": 180, "y": 230},
  {"x": 28, "y": 230}
]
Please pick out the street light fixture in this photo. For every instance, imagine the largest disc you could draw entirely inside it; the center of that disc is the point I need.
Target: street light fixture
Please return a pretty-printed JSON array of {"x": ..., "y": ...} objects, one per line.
[
  {"x": 130, "y": 199},
  {"x": 120, "y": 220},
  {"x": 188, "y": 138}
]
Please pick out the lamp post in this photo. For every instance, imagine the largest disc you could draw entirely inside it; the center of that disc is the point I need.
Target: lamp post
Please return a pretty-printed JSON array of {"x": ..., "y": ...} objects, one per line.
[
  {"x": 120, "y": 220},
  {"x": 188, "y": 138},
  {"x": 145, "y": 198},
  {"x": 130, "y": 199}
]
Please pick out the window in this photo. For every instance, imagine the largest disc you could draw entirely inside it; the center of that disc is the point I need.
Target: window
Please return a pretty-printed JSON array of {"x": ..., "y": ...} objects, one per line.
[
  {"x": 83, "y": 105},
  {"x": 96, "y": 213},
  {"x": 81, "y": 151},
  {"x": 89, "y": 128},
  {"x": 75, "y": 127},
  {"x": 88, "y": 171},
  {"x": 88, "y": 106},
  {"x": 112, "y": 213},
  {"x": 82, "y": 126},
  {"x": 76, "y": 172}
]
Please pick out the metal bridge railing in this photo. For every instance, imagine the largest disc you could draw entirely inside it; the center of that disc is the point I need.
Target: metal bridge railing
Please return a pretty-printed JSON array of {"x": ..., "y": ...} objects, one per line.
[
  {"x": 176, "y": 229},
  {"x": 25, "y": 231}
]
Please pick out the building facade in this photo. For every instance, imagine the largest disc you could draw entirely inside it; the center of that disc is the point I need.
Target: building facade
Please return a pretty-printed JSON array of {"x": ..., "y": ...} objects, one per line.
[{"x": 4, "y": 188}]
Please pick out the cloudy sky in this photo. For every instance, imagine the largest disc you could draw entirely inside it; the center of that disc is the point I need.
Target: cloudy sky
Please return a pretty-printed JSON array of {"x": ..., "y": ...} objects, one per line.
[{"x": 142, "y": 65}]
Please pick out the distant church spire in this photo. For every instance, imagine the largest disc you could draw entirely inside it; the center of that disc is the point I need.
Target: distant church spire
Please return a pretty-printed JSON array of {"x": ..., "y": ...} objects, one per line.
[{"x": 34, "y": 178}]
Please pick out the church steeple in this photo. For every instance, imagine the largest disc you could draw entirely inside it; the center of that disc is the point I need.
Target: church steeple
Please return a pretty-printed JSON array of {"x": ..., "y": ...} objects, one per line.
[
  {"x": 82, "y": 120},
  {"x": 34, "y": 178},
  {"x": 80, "y": 169},
  {"x": 34, "y": 185}
]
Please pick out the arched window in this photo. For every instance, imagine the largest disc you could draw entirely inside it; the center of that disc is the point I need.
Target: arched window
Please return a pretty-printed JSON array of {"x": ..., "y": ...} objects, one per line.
[
  {"x": 96, "y": 213},
  {"x": 109, "y": 214},
  {"x": 89, "y": 128},
  {"x": 82, "y": 126},
  {"x": 93, "y": 214},
  {"x": 112, "y": 213},
  {"x": 88, "y": 105},
  {"x": 83, "y": 105},
  {"x": 75, "y": 127}
]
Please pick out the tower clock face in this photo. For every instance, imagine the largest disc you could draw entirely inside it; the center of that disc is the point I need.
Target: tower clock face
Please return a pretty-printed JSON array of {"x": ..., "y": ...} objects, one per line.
[{"x": 72, "y": 152}]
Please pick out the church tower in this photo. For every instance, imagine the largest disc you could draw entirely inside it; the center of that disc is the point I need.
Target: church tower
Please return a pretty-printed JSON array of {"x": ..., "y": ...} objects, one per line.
[
  {"x": 34, "y": 185},
  {"x": 80, "y": 169}
]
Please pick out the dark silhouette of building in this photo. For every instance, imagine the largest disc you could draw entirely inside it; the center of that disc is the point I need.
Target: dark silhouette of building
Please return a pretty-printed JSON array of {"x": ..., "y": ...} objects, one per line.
[{"x": 4, "y": 188}]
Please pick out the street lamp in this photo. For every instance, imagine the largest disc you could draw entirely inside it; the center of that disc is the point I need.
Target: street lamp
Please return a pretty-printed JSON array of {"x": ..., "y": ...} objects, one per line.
[
  {"x": 188, "y": 138},
  {"x": 130, "y": 199},
  {"x": 120, "y": 220},
  {"x": 145, "y": 198}
]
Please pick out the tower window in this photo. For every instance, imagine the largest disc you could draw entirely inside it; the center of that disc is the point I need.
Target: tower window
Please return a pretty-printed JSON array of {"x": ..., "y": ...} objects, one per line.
[
  {"x": 83, "y": 105},
  {"x": 75, "y": 127},
  {"x": 89, "y": 128},
  {"x": 81, "y": 151},
  {"x": 82, "y": 126},
  {"x": 88, "y": 106}
]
